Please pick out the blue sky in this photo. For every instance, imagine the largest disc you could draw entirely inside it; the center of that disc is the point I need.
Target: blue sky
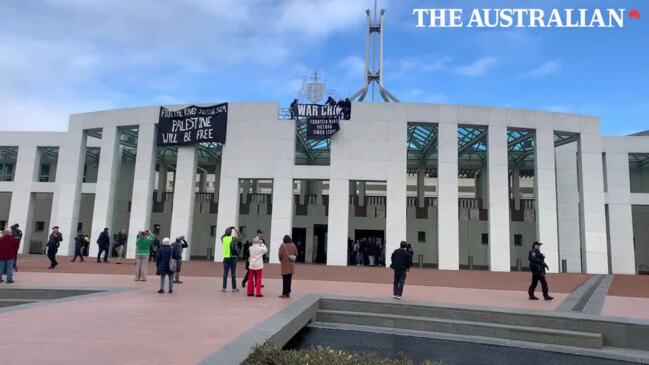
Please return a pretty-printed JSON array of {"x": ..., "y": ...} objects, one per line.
[{"x": 66, "y": 56}]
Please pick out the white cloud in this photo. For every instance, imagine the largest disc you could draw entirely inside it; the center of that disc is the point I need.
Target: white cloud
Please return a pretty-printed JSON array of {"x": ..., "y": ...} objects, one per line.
[
  {"x": 477, "y": 68},
  {"x": 547, "y": 68}
]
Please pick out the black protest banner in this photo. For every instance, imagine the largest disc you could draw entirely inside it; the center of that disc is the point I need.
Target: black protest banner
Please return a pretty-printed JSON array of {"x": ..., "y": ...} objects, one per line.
[
  {"x": 192, "y": 125},
  {"x": 321, "y": 128}
]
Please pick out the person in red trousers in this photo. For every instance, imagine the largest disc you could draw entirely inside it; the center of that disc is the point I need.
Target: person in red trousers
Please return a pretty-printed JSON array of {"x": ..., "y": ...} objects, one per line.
[{"x": 256, "y": 265}]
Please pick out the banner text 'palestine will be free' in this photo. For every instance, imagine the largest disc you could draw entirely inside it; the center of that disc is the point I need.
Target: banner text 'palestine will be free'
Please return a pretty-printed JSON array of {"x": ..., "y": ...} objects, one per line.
[{"x": 192, "y": 125}]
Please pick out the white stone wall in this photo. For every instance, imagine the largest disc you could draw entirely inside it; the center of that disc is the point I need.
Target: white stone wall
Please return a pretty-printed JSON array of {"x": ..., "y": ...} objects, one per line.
[{"x": 369, "y": 147}]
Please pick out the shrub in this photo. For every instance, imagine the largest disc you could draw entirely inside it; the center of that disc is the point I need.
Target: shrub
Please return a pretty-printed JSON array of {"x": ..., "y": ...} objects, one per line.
[{"x": 268, "y": 354}]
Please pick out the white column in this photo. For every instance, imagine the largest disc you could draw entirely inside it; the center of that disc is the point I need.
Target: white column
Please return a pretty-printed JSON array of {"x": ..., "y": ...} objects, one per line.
[
  {"x": 569, "y": 225},
  {"x": 162, "y": 181},
  {"x": 498, "y": 171},
  {"x": 20, "y": 209},
  {"x": 420, "y": 187},
  {"x": 109, "y": 165},
  {"x": 282, "y": 219},
  {"x": 228, "y": 212},
  {"x": 338, "y": 222},
  {"x": 516, "y": 186},
  {"x": 447, "y": 201},
  {"x": 182, "y": 215},
  {"x": 592, "y": 203},
  {"x": 546, "y": 196},
  {"x": 620, "y": 218},
  {"x": 396, "y": 216},
  {"x": 68, "y": 192},
  {"x": 142, "y": 198}
]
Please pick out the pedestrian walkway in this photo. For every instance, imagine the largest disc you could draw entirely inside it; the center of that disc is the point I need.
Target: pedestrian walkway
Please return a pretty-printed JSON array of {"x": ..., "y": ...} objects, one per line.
[{"x": 128, "y": 321}]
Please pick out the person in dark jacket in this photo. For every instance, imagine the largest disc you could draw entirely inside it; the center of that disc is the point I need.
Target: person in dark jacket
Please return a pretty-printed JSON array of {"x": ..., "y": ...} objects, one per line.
[
  {"x": 18, "y": 236},
  {"x": 79, "y": 243},
  {"x": 293, "y": 109},
  {"x": 246, "y": 258},
  {"x": 401, "y": 260},
  {"x": 8, "y": 251},
  {"x": 155, "y": 246},
  {"x": 538, "y": 267},
  {"x": 178, "y": 246},
  {"x": 53, "y": 243},
  {"x": 104, "y": 243},
  {"x": 120, "y": 245},
  {"x": 165, "y": 253}
]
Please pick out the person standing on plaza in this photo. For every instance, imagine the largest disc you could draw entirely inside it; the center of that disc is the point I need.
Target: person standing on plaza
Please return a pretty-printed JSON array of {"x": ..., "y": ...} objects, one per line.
[
  {"x": 287, "y": 257},
  {"x": 18, "y": 236},
  {"x": 246, "y": 259},
  {"x": 120, "y": 243},
  {"x": 401, "y": 260},
  {"x": 79, "y": 242},
  {"x": 104, "y": 243},
  {"x": 229, "y": 244},
  {"x": 8, "y": 249},
  {"x": 257, "y": 252},
  {"x": 179, "y": 244},
  {"x": 155, "y": 245},
  {"x": 53, "y": 243},
  {"x": 142, "y": 248},
  {"x": 538, "y": 267},
  {"x": 164, "y": 266}
]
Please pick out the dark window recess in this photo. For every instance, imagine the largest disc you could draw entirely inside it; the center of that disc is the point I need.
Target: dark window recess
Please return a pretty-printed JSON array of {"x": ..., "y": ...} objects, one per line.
[
  {"x": 212, "y": 231},
  {"x": 518, "y": 215},
  {"x": 79, "y": 226},
  {"x": 3, "y": 224},
  {"x": 44, "y": 176},
  {"x": 269, "y": 208},
  {"x": 421, "y": 213},
  {"x": 484, "y": 214},
  {"x": 360, "y": 210},
  {"x": 129, "y": 206},
  {"x": 485, "y": 238},
  {"x": 518, "y": 240},
  {"x": 39, "y": 227},
  {"x": 244, "y": 208},
  {"x": 301, "y": 209},
  {"x": 421, "y": 236}
]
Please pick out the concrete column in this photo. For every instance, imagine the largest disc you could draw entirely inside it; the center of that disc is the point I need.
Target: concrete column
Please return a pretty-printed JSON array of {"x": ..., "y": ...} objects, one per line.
[
  {"x": 567, "y": 202},
  {"x": 20, "y": 210},
  {"x": 361, "y": 192},
  {"x": 109, "y": 165},
  {"x": 308, "y": 246},
  {"x": 202, "y": 181},
  {"x": 282, "y": 219},
  {"x": 420, "y": 187},
  {"x": 620, "y": 218},
  {"x": 318, "y": 186},
  {"x": 546, "y": 196},
  {"x": 396, "y": 211},
  {"x": 228, "y": 213},
  {"x": 217, "y": 181},
  {"x": 447, "y": 203},
  {"x": 182, "y": 216},
  {"x": 498, "y": 169},
  {"x": 142, "y": 198},
  {"x": 484, "y": 184},
  {"x": 245, "y": 186},
  {"x": 516, "y": 186},
  {"x": 338, "y": 222},
  {"x": 303, "y": 190},
  {"x": 162, "y": 181},
  {"x": 592, "y": 203},
  {"x": 68, "y": 189}
]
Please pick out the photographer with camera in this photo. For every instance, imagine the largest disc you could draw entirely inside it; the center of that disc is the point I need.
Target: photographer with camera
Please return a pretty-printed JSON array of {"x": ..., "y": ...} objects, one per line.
[{"x": 230, "y": 254}]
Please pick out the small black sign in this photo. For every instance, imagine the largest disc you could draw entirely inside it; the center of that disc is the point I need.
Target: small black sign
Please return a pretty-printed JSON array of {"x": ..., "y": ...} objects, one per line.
[
  {"x": 321, "y": 128},
  {"x": 192, "y": 125}
]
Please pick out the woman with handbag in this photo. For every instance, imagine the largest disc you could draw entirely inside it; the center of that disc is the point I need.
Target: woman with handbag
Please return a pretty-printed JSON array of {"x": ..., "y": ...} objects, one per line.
[
  {"x": 287, "y": 256},
  {"x": 256, "y": 264},
  {"x": 166, "y": 264}
]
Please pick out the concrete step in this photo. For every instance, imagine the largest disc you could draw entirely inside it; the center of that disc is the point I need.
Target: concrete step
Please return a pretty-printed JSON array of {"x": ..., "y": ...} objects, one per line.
[{"x": 464, "y": 327}]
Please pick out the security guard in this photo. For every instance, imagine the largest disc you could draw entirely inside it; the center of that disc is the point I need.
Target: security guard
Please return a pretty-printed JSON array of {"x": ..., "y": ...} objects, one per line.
[{"x": 538, "y": 266}]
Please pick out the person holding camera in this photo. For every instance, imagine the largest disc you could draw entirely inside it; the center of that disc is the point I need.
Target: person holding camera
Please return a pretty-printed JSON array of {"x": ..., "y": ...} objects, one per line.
[
  {"x": 256, "y": 260},
  {"x": 538, "y": 267},
  {"x": 287, "y": 257},
  {"x": 230, "y": 254}
]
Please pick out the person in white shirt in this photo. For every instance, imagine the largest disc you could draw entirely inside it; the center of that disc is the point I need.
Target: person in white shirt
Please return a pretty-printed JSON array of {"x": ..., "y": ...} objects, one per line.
[{"x": 256, "y": 264}]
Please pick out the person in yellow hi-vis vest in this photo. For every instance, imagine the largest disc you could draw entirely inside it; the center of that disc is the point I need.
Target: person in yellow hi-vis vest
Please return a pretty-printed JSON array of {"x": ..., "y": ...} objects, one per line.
[{"x": 230, "y": 254}]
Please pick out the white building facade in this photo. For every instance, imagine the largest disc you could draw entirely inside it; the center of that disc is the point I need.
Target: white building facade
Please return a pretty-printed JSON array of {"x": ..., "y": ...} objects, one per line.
[{"x": 469, "y": 187}]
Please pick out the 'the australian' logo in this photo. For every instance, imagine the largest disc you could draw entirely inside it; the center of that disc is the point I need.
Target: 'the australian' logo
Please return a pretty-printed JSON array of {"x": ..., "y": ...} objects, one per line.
[{"x": 522, "y": 18}]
